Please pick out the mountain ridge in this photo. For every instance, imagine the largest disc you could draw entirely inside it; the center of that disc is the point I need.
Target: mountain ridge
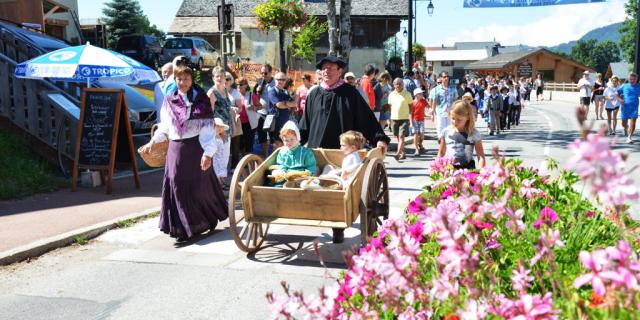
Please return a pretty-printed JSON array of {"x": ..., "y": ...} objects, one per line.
[{"x": 609, "y": 32}]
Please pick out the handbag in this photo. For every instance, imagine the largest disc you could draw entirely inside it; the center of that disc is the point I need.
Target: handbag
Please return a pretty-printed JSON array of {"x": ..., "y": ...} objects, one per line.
[
  {"x": 269, "y": 123},
  {"x": 158, "y": 155}
]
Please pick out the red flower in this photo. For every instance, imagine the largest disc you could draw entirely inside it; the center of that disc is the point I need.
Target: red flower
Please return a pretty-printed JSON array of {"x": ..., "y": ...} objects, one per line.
[{"x": 451, "y": 316}]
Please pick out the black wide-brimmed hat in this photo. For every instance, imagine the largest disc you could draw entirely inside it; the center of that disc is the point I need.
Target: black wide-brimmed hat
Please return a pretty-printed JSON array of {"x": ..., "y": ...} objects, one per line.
[{"x": 331, "y": 59}]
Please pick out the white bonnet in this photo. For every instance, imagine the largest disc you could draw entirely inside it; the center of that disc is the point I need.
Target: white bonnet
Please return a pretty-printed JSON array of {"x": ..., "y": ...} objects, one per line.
[{"x": 291, "y": 126}]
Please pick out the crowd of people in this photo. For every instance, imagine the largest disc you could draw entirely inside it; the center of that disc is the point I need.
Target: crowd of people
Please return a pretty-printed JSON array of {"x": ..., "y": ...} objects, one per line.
[
  {"x": 613, "y": 97},
  {"x": 210, "y": 129}
]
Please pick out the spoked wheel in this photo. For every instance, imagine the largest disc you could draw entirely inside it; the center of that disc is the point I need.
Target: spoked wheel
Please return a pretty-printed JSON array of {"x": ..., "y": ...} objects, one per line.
[
  {"x": 374, "y": 201},
  {"x": 251, "y": 235}
]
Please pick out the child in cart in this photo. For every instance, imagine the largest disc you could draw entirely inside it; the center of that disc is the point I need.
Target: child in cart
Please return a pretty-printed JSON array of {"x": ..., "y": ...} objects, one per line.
[
  {"x": 293, "y": 160},
  {"x": 350, "y": 142}
]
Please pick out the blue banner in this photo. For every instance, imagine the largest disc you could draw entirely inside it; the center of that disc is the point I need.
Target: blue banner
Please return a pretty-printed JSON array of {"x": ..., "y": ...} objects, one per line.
[{"x": 521, "y": 3}]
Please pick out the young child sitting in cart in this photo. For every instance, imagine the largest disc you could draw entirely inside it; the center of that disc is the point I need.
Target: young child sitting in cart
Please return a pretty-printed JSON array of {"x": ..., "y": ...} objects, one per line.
[
  {"x": 293, "y": 160},
  {"x": 350, "y": 142},
  {"x": 219, "y": 165}
]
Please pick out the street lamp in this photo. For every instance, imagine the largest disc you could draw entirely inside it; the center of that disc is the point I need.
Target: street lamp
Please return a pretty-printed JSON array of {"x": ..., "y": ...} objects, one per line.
[
  {"x": 412, "y": 27},
  {"x": 404, "y": 33}
]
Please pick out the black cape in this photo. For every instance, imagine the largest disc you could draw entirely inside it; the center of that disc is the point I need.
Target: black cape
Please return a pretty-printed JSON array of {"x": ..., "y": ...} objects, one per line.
[{"x": 328, "y": 114}]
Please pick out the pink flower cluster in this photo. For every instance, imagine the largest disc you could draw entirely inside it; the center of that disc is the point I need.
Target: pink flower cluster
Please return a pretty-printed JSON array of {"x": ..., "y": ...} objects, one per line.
[
  {"x": 441, "y": 165},
  {"x": 613, "y": 268},
  {"x": 447, "y": 250},
  {"x": 527, "y": 307},
  {"x": 602, "y": 169}
]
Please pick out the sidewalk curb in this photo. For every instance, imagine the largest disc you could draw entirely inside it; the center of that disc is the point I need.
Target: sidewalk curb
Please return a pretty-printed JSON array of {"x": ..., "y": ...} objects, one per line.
[{"x": 40, "y": 247}]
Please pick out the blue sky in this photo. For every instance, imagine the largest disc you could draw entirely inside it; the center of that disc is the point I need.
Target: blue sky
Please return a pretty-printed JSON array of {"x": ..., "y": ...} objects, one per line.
[{"x": 550, "y": 25}]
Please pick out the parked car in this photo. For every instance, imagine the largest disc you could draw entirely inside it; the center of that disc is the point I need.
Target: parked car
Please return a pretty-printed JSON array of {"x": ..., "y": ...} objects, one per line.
[
  {"x": 143, "y": 48},
  {"x": 142, "y": 112},
  {"x": 200, "y": 53}
]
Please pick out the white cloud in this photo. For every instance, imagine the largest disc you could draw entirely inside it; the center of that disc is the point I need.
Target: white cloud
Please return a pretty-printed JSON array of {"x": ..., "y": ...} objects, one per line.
[{"x": 565, "y": 23}]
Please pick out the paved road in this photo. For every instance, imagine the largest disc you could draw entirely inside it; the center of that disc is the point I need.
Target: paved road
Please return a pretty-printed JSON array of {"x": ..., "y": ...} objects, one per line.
[{"x": 138, "y": 273}]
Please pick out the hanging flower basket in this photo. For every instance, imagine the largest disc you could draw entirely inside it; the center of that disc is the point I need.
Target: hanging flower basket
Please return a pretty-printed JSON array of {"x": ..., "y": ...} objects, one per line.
[{"x": 280, "y": 14}]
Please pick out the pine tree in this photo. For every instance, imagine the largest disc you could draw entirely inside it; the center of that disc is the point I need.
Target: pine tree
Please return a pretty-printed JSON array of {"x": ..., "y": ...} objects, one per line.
[{"x": 123, "y": 17}]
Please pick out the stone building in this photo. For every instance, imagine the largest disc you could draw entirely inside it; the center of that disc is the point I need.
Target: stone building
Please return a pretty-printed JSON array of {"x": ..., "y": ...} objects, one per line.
[{"x": 373, "y": 22}]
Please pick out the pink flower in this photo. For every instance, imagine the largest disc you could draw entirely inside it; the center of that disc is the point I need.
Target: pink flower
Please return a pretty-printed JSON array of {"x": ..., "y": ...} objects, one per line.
[
  {"x": 521, "y": 279},
  {"x": 449, "y": 192},
  {"x": 527, "y": 190},
  {"x": 596, "y": 262},
  {"x": 515, "y": 220},
  {"x": 481, "y": 225},
  {"x": 549, "y": 239},
  {"x": 527, "y": 307},
  {"x": 441, "y": 165},
  {"x": 602, "y": 169},
  {"x": 418, "y": 205},
  {"x": 547, "y": 216},
  {"x": 590, "y": 214},
  {"x": 416, "y": 230}
]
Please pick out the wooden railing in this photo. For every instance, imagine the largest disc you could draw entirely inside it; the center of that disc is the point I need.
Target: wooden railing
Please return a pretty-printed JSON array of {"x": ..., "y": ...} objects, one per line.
[
  {"x": 560, "y": 86},
  {"x": 28, "y": 103}
]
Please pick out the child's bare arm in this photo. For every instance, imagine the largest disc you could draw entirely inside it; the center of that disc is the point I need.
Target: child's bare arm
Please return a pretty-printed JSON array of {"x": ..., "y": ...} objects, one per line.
[
  {"x": 480, "y": 154},
  {"x": 441, "y": 148}
]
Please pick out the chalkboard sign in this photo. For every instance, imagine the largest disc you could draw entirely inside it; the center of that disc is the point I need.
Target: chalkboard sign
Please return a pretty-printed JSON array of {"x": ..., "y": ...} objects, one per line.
[
  {"x": 98, "y": 121},
  {"x": 103, "y": 132},
  {"x": 525, "y": 69}
]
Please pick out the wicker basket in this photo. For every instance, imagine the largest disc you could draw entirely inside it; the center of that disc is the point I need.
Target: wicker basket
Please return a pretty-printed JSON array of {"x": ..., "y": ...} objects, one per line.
[{"x": 158, "y": 155}]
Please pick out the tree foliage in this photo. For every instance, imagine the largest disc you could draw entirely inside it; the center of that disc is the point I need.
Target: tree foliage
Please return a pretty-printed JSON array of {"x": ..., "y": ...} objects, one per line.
[
  {"x": 418, "y": 51},
  {"x": 303, "y": 45},
  {"x": 125, "y": 17},
  {"x": 628, "y": 31},
  {"x": 596, "y": 54}
]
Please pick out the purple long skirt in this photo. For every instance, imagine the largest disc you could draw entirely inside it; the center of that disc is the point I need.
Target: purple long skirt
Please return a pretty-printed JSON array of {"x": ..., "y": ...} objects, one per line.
[{"x": 192, "y": 199}]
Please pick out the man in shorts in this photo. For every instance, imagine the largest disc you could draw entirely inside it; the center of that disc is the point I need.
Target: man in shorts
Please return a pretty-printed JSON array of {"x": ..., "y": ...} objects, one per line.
[
  {"x": 628, "y": 95},
  {"x": 585, "y": 85},
  {"x": 441, "y": 99}
]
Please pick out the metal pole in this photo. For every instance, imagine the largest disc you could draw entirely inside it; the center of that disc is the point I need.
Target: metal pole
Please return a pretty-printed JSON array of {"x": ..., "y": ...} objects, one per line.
[
  {"x": 410, "y": 37},
  {"x": 636, "y": 64},
  {"x": 222, "y": 34},
  {"x": 415, "y": 21}
]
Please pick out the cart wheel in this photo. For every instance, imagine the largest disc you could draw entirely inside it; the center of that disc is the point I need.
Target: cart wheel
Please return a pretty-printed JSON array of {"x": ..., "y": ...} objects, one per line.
[
  {"x": 251, "y": 236},
  {"x": 374, "y": 204}
]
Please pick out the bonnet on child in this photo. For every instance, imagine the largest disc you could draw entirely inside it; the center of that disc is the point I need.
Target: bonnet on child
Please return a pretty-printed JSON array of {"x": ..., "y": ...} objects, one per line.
[{"x": 290, "y": 125}]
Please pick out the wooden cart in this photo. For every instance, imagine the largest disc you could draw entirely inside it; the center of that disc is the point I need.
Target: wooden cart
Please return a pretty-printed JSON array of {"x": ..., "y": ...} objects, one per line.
[{"x": 253, "y": 206}]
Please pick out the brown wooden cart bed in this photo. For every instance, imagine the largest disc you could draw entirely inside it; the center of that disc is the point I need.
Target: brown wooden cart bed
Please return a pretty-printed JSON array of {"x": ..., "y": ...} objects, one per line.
[{"x": 253, "y": 206}]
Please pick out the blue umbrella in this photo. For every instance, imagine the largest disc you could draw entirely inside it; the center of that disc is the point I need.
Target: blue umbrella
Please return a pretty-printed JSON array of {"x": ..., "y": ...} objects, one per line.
[{"x": 86, "y": 63}]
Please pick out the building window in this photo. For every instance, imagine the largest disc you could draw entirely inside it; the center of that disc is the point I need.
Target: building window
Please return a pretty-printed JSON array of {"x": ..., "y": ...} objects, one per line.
[{"x": 447, "y": 63}]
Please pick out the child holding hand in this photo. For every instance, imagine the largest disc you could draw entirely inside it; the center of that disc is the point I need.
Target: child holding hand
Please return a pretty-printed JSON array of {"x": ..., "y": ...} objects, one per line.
[
  {"x": 219, "y": 162},
  {"x": 461, "y": 138}
]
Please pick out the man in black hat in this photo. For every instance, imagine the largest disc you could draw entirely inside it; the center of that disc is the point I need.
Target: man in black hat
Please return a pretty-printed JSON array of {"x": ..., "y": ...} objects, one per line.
[{"x": 335, "y": 107}]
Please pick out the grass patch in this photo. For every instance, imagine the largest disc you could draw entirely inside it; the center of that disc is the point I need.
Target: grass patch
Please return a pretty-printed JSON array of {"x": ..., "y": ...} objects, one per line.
[
  {"x": 23, "y": 172},
  {"x": 79, "y": 240},
  {"x": 130, "y": 222}
]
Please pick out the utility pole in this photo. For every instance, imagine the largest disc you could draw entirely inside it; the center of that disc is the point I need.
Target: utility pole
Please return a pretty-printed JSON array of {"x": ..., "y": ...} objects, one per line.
[
  {"x": 223, "y": 32},
  {"x": 410, "y": 37},
  {"x": 636, "y": 64}
]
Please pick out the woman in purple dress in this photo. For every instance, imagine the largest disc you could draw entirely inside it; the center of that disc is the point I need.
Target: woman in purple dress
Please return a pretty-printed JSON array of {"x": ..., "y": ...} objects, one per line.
[{"x": 192, "y": 199}]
